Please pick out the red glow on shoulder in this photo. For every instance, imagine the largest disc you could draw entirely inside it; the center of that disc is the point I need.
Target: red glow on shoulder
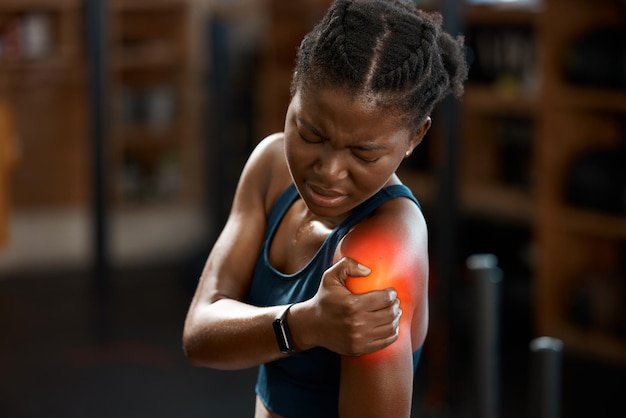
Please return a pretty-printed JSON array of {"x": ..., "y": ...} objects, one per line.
[{"x": 389, "y": 262}]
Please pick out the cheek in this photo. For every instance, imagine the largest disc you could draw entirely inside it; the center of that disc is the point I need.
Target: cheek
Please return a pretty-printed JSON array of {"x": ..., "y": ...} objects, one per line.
[
  {"x": 297, "y": 158},
  {"x": 371, "y": 178}
]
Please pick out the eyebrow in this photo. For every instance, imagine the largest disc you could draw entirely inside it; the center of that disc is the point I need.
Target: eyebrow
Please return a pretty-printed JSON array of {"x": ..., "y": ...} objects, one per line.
[
  {"x": 310, "y": 127},
  {"x": 363, "y": 147},
  {"x": 368, "y": 147}
]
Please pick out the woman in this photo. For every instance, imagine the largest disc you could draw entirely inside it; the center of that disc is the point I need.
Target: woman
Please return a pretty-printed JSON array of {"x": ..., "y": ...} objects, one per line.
[{"x": 320, "y": 274}]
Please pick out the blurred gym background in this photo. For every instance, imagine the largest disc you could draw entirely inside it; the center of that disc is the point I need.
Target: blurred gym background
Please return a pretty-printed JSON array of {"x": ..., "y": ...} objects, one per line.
[{"x": 124, "y": 126}]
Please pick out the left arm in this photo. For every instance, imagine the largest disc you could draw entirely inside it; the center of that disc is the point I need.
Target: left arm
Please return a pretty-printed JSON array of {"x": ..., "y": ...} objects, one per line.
[{"x": 394, "y": 246}]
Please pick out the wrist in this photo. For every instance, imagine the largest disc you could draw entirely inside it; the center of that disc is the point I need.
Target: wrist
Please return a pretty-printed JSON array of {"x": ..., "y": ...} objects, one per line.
[
  {"x": 300, "y": 328},
  {"x": 282, "y": 331}
]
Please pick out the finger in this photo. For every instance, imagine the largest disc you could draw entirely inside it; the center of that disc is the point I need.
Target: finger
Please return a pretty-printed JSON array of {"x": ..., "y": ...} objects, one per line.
[
  {"x": 377, "y": 299},
  {"x": 374, "y": 339},
  {"x": 383, "y": 342},
  {"x": 384, "y": 321},
  {"x": 347, "y": 267}
]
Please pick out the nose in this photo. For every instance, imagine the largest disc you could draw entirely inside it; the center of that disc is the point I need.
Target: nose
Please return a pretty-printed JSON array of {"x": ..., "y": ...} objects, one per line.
[{"x": 331, "y": 165}]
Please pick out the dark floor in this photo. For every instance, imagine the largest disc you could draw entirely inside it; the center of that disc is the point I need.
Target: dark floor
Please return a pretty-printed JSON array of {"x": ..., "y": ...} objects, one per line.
[{"x": 58, "y": 360}]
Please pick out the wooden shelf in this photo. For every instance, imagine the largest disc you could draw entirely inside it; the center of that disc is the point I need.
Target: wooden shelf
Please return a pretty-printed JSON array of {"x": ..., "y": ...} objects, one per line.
[
  {"x": 422, "y": 184},
  {"x": 591, "y": 99},
  {"x": 154, "y": 55},
  {"x": 502, "y": 14},
  {"x": 43, "y": 74},
  {"x": 20, "y": 66},
  {"x": 498, "y": 202},
  {"x": 492, "y": 201},
  {"x": 142, "y": 137},
  {"x": 153, "y": 78},
  {"x": 22, "y": 5},
  {"x": 498, "y": 100},
  {"x": 575, "y": 241},
  {"x": 145, "y": 5},
  {"x": 590, "y": 343},
  {"x": 592, "y": 223}
]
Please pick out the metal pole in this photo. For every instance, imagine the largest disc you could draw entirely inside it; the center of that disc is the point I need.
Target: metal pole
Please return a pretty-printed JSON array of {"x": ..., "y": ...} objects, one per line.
[
  {"x": 220, "y": 154},
  {"x": 545, "y": 379},
  {"x": 487, "y": 278},
  {"x": 446, "y": 223},
  {"x": 95, "y": 12}
]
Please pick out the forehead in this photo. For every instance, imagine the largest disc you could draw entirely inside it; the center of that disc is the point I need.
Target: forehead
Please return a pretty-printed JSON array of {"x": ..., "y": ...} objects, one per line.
[{"x": 337, "y": 112}]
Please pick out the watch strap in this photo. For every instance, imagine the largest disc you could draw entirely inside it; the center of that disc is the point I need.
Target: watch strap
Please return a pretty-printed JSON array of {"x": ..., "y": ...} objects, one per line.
[{"x": 281, "y": 330}]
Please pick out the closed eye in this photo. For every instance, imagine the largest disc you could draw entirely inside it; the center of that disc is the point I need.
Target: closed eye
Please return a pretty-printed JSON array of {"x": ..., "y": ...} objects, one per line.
[
  {"x": 308, "y": 139},
  {"x": 365, "y": 159},
  {"x": 369, "y": 153}
]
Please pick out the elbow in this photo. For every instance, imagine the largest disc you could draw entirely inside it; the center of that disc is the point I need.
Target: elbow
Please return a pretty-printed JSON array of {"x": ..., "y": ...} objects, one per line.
[
  {"x": 199, "y": 355},
  {"x": 191, "y": 351},
  {"x": 197, "y": 346},
  {"x": 197, "y": 342},
  {"x": 201, "y": 351}
]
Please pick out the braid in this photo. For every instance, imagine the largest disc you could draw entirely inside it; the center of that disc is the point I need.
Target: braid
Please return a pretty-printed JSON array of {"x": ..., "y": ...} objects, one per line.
[
  {"x": 413, "y": 46},
  {"x": 389, "y": 51},
  {"x": 332, "y": 41},
  {"x": 340, "y": 42}
]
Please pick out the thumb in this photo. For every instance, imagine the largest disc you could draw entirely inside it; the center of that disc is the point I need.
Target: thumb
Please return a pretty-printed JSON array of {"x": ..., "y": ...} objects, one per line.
[{"x": 348, "y": 267}]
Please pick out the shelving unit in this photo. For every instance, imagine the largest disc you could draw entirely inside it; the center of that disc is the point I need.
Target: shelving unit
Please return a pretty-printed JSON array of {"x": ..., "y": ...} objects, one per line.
[
  {"x": 154, "y": 148},
  {"x": 154, "y": 75},
  {"x": 579, "y": 285},
  {"x": 288, "y": 23},
  {"x": 498, "y": 113},
  {"x": 9, "y": 157},
  {"x": 576, "y": 246},
  {"x": 42, "y": 78},
  {"x": 38, "y": 34},
  {"x": 577, "y": 266},
  {"x": 489, "y": 103}
]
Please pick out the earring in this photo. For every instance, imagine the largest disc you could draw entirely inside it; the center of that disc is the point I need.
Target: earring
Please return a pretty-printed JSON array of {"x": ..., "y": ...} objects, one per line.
[{"x": 406, "y": 154}]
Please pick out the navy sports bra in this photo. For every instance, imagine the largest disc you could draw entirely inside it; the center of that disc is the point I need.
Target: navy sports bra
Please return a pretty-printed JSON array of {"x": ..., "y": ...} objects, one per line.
[{"x": 307, "y": 385}]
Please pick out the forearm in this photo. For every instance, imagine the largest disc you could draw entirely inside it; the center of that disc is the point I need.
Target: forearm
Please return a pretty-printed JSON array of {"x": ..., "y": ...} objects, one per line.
[{"x": 228, "y": 334}]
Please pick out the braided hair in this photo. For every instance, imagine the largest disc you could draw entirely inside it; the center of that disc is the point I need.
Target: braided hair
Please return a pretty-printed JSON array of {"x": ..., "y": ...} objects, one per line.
[{"x": 387, "y": 51}]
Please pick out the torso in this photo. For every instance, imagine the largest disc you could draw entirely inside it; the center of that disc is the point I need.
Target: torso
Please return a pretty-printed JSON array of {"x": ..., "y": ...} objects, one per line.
[
  {"x": 299, "y": 234},
  {"x": 297, "y": 239}
]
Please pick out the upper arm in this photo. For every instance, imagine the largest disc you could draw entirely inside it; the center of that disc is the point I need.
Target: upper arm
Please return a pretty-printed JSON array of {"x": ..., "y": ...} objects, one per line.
[{"x": 395, "y": 249}]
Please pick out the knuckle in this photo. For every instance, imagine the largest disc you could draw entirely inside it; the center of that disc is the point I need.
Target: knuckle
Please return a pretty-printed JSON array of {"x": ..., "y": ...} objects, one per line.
[
  {"x": 354, "y": 345},
  {"x": 351, "y": 306}
]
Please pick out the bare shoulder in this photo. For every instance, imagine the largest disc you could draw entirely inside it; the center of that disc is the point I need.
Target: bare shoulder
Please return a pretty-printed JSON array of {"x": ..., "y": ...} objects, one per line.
[
  {"x": 393, "y": 242},
  {"x": 265, "y": 174},
  {"x": 399, "y": 221},
  {"x": 265, "y": 157}
]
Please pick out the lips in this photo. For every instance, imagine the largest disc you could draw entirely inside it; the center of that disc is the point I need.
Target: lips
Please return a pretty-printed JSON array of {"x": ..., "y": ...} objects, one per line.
[{"x": 324, "y": 197}]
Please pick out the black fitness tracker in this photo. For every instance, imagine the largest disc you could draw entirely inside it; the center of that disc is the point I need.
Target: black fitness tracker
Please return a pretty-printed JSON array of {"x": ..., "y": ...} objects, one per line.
[{"x": 281, "y": 329}]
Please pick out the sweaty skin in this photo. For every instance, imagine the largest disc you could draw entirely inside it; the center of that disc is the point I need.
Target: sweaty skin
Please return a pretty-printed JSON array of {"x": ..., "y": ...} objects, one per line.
[
  {"x": 380, "y": 383},
  {"x": 339, "y": 151}
]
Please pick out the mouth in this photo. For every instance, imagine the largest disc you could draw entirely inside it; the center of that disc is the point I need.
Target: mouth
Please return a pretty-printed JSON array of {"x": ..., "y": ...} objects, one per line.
[{"x": 324, "y": 197}]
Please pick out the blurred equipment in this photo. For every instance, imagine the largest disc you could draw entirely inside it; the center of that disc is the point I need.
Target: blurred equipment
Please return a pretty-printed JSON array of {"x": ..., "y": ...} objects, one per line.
[
  {"x": 597, "y": 180},
  {"x": 8, "y": 158},
  {"x": 598, "y": 59},
  {"x": 596, "y": 301},
  {"x": 487, "y": 277},
  {"x": 504, "y": 55},
  {"x": 545, "y": 379}
]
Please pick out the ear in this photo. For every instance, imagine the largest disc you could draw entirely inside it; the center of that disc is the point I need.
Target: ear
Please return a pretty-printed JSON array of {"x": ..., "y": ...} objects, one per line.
[{"x": 419, "y": 134}]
